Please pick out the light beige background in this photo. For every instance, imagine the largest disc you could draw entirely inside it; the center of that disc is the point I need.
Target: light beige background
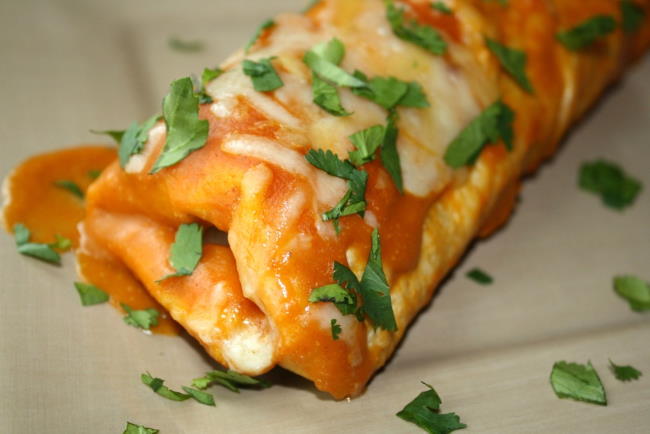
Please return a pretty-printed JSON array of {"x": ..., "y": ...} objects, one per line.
[{"x": 70, "y": 65}]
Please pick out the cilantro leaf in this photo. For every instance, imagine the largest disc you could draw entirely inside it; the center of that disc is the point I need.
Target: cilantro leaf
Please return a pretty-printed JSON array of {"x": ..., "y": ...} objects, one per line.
[
  {"x": 229, "y": 379},
  {"x": 421, "y": 35},
  {"x": 624, "y": 372},
  {"x": 441, "y": 7},
  {"x": 335, "y": 328},
  {"x": 323, "y": 60},
  {"x": 389, "y": 156},
  {"x": 264, "y": 26},
  {"x": 346, "y": 278},
  {"x": 200, "y": 396},
  {"x": 636, "y": 291},
  {"x": 375, "y": 291},
  {"x": 330, "y": 163},
  {"x": 114, "y": 134},
  {"x": 424, "y": 411},
  {"x": 94, "y": 174},
  {"x": 513, "y": 61},
  {"x": 132, "y": 428},
  {"x": 616, "y": 189},
  {"x": 44, "y": 252},
  {"x": 263, "y": 75},
  {"x": 133, "y": 140},
  {"x": 185, "y": 46},
  {"x": 90, "y": 294},
  {"x": 70, "y": 186},
  {"x": 579, "y": 382},
  {"x": 333, "y": 293},
  {"x": 61, "y": 243},
  {"x": 326, "y": 96},
  {"x": 187, "y": 249},
  {"x": 586, "y": 33},
  {"x": 480, "y": 276},
  {"x": 366, "y": 143},
  {"x": 633, "y": 16},
  {"x": 144, "y": 319},
  {"x": 492, "y": 125},
  {"x": 343, "y": 208},
  {"x": 384, "y": 91},
  {"x": 157, "y": 385},
  {"x": 210, "y": 74},
  {"x": 414, "y": 97}
]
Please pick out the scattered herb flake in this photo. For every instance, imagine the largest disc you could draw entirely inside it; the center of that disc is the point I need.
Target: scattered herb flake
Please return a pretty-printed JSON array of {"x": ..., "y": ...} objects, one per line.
[
  {"x": 326, "y": 96},
  {"x": 229, "y": 379},
  {"x": 323, "y": 60},
  {"x": 132, "y": 428},
  {"x": 187, "y": 249},
  {"x": 157, "y": 385},
  {"x": 335, "y": 328},
  {"x": 411, "y": 31},
  {"x": 263, "y": 75},
  {"x": 114, "y": 134},
  {"x": 424, "y": 411},
  {"x": 366, "y": 143},
  {"x": 389, "y": 155},
  {"x": 44, "y": 252},
  {"x": 185, "y": 46},
  {"x": 480, "y": 276},
  {"x": 94, "y": 174},
  {"x": 144, "y": 319},
  {"x": 61, "y": 243},
  {"x": 210, "y": 74},
  {"x": 635, "y": 290},
  {"x": 258, "y": 33},
  {"x": 586, "y": 33},
  {"x": 441, "y": 7},
  {"x": 513, "y": 61},
  {"x": 332, "y": 293},
  {"x": 375, "y": 290},
  {"x": 616, "y": 189},
  {"x": 624, "y": 372},
  {"x": 579, "y": 382},
  {"x": 70, "y": 186},
  {"x": 200, "y": 396},
  {"x": 633, "y": 16},
  {"x": 90, "y": 294}
]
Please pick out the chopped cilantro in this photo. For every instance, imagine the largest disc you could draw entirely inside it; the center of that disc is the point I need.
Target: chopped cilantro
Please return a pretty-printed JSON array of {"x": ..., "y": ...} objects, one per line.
[
  {"x": 633, "y": 16},
  {"x": 480, "y": 276},
  {"x": 323, "y": 60},
  {"x": 501, "y": 2},
  {"x": 94, "y": 174},
  {"x": 424, "y": 411},
  {"x": 157, "y": 385},
  {"x": 132, "y": 428},
  {"x": 132, "y": 140},
  {"x": 264, "y": 26},
  {"x": 389, "y": 156},
  {"x": 366, "y": 143},
  {"x": 44, "y": 252},
  {"x": 441, "y": 7},
  {"x": 411, "y": 31},
  {"x": 346, "y": 278},
  {"x": 335, "y": 328},
  {"x": 210, "y": 74},
  {"x": 636, "y": 291},
  {"x": 61, "y": 243},
  {"x": 513, "y": 61},
  {"x": 144, "y": 319},
  {"x": 187, "y": 249},
  {"x": 70, "y": 186},
  {"x": 200, "y": 396},
  {"x": 326, "y": 96},
  {"x": 385, "y": 91},
  {"x": 185, "y": 46},
  {"x": 624, "y": 372},
  {"x": 335, "y": 293},
  {"x": 185, "y": 131},
  {"x": 492, "y": 125},
  {"x": 114, "y": 134},
  {"x": 90, "y": 294},
  {"x": 231, "y": 380},
  {"x": 579, "y": 382},
  {"x": 616, "y": 189},
  {"x": 586, "y": 33},
  {"x": 263, "y": 75}
]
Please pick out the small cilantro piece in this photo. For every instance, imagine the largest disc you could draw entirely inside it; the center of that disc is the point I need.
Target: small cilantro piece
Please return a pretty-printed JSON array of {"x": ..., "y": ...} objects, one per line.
[
  {"x": 326, "y": 96},
  {"x": 616, "y": 189},
  {"x": 185, "y": 131},
  {"x": 586, "y": 33},
  {"x": 633, "y": 16},
  {"x": 385, "y": 91},
  {"x": 187, "y": 249},
  {"x": 421, "y": 35},
  {"x": 501, "y": 2},
  {"x": 157, "y": 385},
  {"x": 389, "y": 156},
  {"x": 492, "y": 125},
  {"x": 144, "y": 319},
  {"x": 264, "y": 26},
  {"x": 185, "y": 46},
  {"x": 346, "y": 278},
  {"x": 323, "y": 60},
  {"x": 366, "y": 143},
  {"x": 480, "y": 276},
  {"x": 441, "y": 7},
  {"x": 424, "y": 411},
  {"x": 44, "y": 252},
  {"x": 624, "y": 372},
  {"x": 343, "y": 208},
  {"x": 90, "y": 294},
  {"x": 263, "y": 75},
  {"x": 335, "y": 328},
  {"x": 229, "y": 379},
  {"x": 114, "y": 134},
  {"x": 130, "y": 141},
  {"x": 414, "y": 97},
  {"x": 70, "y": 186},
  {"x": 579, "y": 382},
  {"x": 200, "y": 396},
  {"x": 210, "y": 74},
  {"x": 61, "y": 243},
  {"x": 94, "y": 174},
  {"x": 636, "y": 291},
  {"x": 333, "y": 293},
  {"x": 375, "y": 290},
  {"x": 132, "y": 428},
  {"x": 513, "y": 61}
]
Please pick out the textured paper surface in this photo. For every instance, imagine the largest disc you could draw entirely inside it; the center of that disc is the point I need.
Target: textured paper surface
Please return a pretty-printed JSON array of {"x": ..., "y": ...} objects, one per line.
[{"x": 67, "y": 66}]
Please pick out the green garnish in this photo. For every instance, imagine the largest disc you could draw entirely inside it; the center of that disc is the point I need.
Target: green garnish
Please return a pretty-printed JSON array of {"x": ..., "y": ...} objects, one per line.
[
  {"x": 424, "y": 411},
  {"x": 185, "y": 46},
  {"x": 633, "y": 16},
  {"x": 132, "y": 428},
  {"x": 390, "y": 92},
  {"x": 157, "y": 385},
  {"x": 578, "y": 382},
  {"x": 616, "y": 189},
  {"x": 130, "y": 141},
  {"x": 389, "y": 156},
  {"x": 636, "y": 291},
  {"x": 90, "y": 294},
  {"x": 492, "y": 125},
  {"x": 264, "y": 26},
  {"x": 61, "y": 243},
  {"x": 70, "y": 186},
  {"x": 229, "y": 379},
  {"x": 185, "y": 131},
  {"x": 586, "y": 33},
  {"x": 501, "y": 2},
  {"x": 114, "y": 134},
  {"x": 366, "y": 143},
  {"x": 325, "y": 94},
  {"x": 186, "y": 251},
  {"x": 263, "y": 75},
  {"x": 441, "y": 7},
  {"x": 480, "y": 276},
  {"x": 335, "y": 328},
  {"x": 624, "y": 372},
  {"x": 343, "y": 208},
  {"x": 335, "y": 293},
  {"x": 513, "y": 61},
  {"x": 411, "y": 31},
  {"x": 200, "y": 396},
  {"x": 210, "y": 74},
  {"x": 144, "y": 319},
  {"x": 94, "y": 174},
  {"x": 44, "y": 252},
  {"x": 323, "y": 60}
]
